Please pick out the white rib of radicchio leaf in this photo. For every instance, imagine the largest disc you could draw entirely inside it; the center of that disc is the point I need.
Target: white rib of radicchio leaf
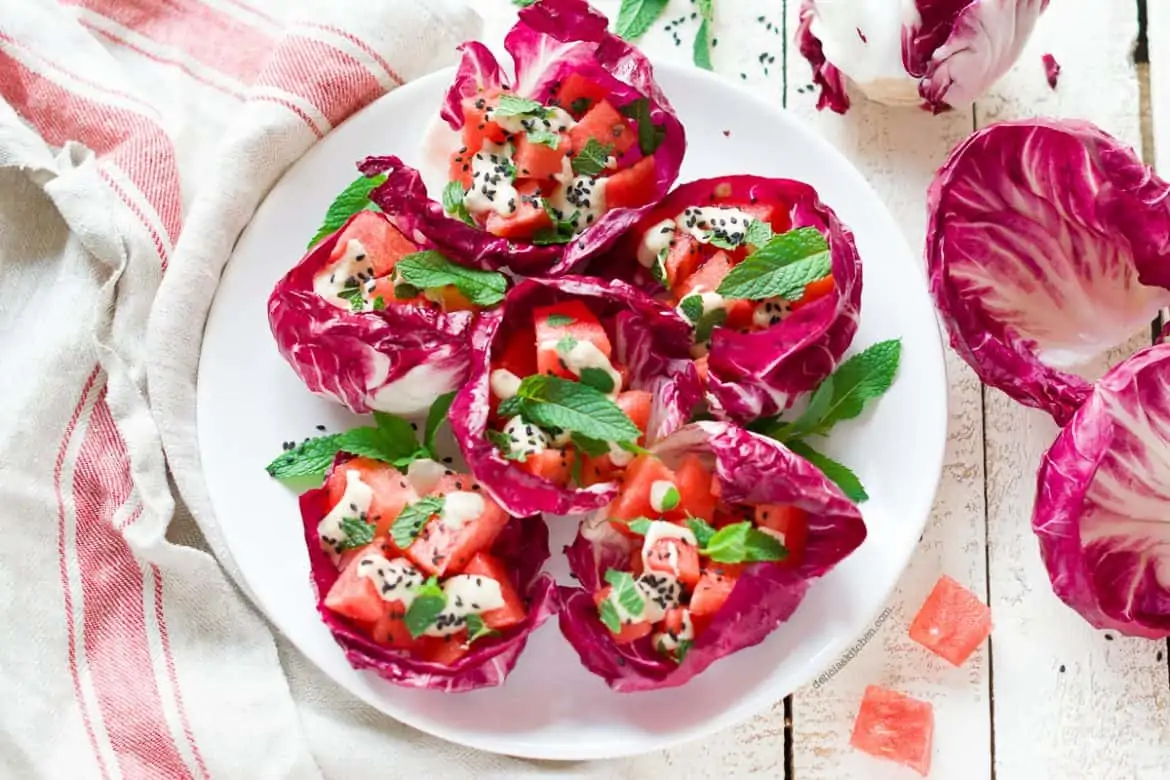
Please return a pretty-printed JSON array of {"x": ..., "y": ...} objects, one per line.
[
  {"x": 1044, "y": 239},
  {"x": 522, "y": 546},
  {"x": 652, "y": 342},
  {"x": 551, "y": 40},
  {"x": 396, "y": 360},
  {"x": 1102, "y": 511},
  {"x": 751, "y": 470}
]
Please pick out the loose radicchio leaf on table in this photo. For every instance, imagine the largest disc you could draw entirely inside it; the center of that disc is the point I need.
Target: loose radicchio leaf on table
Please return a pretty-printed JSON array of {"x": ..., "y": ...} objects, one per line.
[
  {"x": 651, "y": 341},
  {"x": 761, "y": 373},
  {"x": 551, "y": 40},
  {"x": 751, "y": 469},
  {"x": 1048, "y": 243},
  {"x": 522, "y": 546},
  {"x": 371, "y": 360},
  {"x": 1102, "y": 511}
]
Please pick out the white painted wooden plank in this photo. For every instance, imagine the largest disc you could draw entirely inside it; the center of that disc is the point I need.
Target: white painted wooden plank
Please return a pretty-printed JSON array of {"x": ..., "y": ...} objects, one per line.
[
  {"x": 1068, "y": 702},
  {"x": 899, "y": 150},
  {"x": 1158, "y": 33}
]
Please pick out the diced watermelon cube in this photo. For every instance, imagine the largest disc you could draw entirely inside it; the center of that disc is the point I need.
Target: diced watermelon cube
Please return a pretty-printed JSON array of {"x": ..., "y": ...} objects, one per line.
[
  {"x": 952, "y": 622},
  {"x": 896, "y": 727}
]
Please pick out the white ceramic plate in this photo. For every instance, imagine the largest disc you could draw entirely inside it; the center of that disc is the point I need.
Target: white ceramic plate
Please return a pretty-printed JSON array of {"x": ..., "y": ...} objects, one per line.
[{"x": 551, "y": 707}]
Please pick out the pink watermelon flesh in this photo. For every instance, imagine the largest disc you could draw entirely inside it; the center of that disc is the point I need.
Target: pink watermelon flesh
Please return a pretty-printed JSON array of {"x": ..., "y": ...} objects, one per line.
[
  {"x": 895, "y": 727},
  {"x": 952, "y": 622}
]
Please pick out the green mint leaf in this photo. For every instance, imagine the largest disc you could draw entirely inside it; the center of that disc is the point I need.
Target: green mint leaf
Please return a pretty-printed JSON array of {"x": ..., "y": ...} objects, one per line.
[
  {"x": 514, "y": 105},
  {"x": 579, "y": 106},
  {"x": 430, "y": 269},
  {"x": 477, "y": 629},
  {"x": 379, "y": 303},
  {"x": 565, "y": 345},
  {"x": 680, "y": 652},
  {"x": 510, "y": 407},
  {"x": 435, "y": 417},
  {"x": 813, "y": 414},
  {"x": 722, "y": 241},
  {"x": 670, "y": 499},
  {"x": 397, "y": 430},
  {"x": 743, "y": 543},
  {"x": 553, "y": 402},
  {"x": 428, "y": 603},
  {"x": 354, "y": 198},
  {"x": 836, "y": 472},
  {"x": 692, "y": 308},
  {"x": 545, "y": 137},
  {"x": 591, "y": 160},
  {"x": 353, "y": 296},
  {"x": 404, "y": 292},
  {"x": 310, "y": 458},
  {"x": 862, "y": 378},
  {"x": 378, "y": 444},
  {"x": 609, "y": 616},
  {"x": 591, "y": 447},
  {"x": 504, "y": 444},
  {"x": 641, "y": 526},
  {"x": 650, "y": 135},
  {"x": 707, "y": 323},
  {"x": 453, "y": 204},
  {"x": 561, "y": 232},
  {"x": 781, "y": 268},
  {"x": 358, "y": 533},
  {"x": 625, "y": 592},
  {"x": 597, "y": 378},
  {"x": 758, "y": 233},
  {"x": 702, "y": 530},
  {"x": 524, "y": 3},
  {"x": 701, "y": 51},
  {"x": 630, "y": 446},
  {"x": 658, "y": 269},
  {"x": 636, "y": 16},
  {"x": 412, "y": 518},
  {"x": 559, "y": 320}
]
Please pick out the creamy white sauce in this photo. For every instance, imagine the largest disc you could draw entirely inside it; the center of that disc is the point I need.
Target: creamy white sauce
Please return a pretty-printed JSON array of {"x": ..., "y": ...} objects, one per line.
[
  {"x": 354, "y": 268},
  {"x": 770, "y": 309},
  {"x": 492, "y": 188},
  {"x": 423, "y": 474},
  {"x": 660, "y": 530},
  {"x": 354, "y": 502},
  {"x": 396, "y": 580},
  {"x": 654, "y": 240},
  {"x": 660, "y": 489},
  {"x": 557, "y": 121},
  {"x": 525, "y": 438},
  {"x": 875, "y": 62},
  {"x": 706, "y": 221},
  {"x": 667, "y": 642},
  {"x": 582, "y": 196},
  {"x": 504, "y": 384},
  {"x": 467, "y": 594},
  {"x": 460, "y": 507},
  {"x": 619, "y": 457},
  {"x": 583, "y": 355}
]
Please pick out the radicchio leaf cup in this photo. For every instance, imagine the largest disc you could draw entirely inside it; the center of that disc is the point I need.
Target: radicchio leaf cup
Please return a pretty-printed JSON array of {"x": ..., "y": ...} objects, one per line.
[
  {"x": 751, "y": 470},
  {"x": 551, "y": 40},
  {"x": 759, "y": 373},
  {"x": 1102, "y": 512},
  {"x": 933, "y": 53},
  {"x": 523, "y": 548},
  {"x": 651, "y": 342},
  {"x": 397, "y": 359},
  {"x": 1048, "y": 243}
]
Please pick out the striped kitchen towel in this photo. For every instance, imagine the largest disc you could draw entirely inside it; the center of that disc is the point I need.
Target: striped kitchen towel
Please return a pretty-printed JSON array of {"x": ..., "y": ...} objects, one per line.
[{"x": 136, "y": 139}]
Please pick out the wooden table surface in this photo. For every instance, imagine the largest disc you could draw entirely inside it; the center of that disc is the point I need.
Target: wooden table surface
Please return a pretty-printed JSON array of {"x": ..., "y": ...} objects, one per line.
[{"x": 1047, "y": 696}]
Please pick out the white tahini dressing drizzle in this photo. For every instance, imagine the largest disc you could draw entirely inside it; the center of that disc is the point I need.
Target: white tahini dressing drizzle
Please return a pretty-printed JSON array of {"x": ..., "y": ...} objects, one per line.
[
  {"x": 492, "y": 188},
  {"x": 770, "y": 311},
  {"x": 660, "y": 530},
  {"x": 355, "y": 502},
  {"x": 659, "y": 489},
  {"x": 504, "y": 384},
  {"x": 654, "y": 240},
  {"x": 659, "y": 592},
  {"x": 460, "y": 507},
  {"x": 583, "y": 196},
  {"x": 557, "y": 120},
  {"x": 396, "y": 580},
  {"x": 467, "y": 594},
  {"x": 423, "y": 474},
  {"x": 667, "y": 642},
  {"x": 353, "y": 269},
  {"x": 619, "y": 457},
  {"x": 525, "y": 438},
  {"x": 704, "y": 222},
  {"x": 585, "y": 354}
]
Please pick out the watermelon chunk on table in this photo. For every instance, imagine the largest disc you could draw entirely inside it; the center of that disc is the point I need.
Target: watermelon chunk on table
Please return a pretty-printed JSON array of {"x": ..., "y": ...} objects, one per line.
[
  {"x": 952, "y": 622},
  {"x": 895, "y": 727}
]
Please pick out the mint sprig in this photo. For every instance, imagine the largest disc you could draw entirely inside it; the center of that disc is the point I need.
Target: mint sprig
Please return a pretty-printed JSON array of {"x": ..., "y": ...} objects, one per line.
[
  {"x": 554, "y": 402},
  {"x": 743, "y": 543},
  {"x": 412, "y": 518},
  {"x": 636, "y": 16},
  {"x": 428, "y": 604},
  {"x": 310, "y": 458},
  {"x": 650, "y": 135},
  {"x": 353, "y": 296},
  {"x": 354, "y": 198},
  {"x": 781, "y": 268},
  {"x": 835, "y": 471},
  {"x": 514, "y": 105},
  {"x": 626, "y": 592},
  {"x": 435, "y": 417},
  {"x": 477, "y": 629},
  {"x": 559, "y": 320},
  {"x": 544, "y": 137},
  {"x": 358, "y": 533},
  {"x": 701, "y": 50},
  {"x": 430, "y": 270},
  {"x": 592, "y": 158},
  {"x": 562, "y": 231},
  {"x": 759, "y": 233},
  {"x": 453, "y": 195}
]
